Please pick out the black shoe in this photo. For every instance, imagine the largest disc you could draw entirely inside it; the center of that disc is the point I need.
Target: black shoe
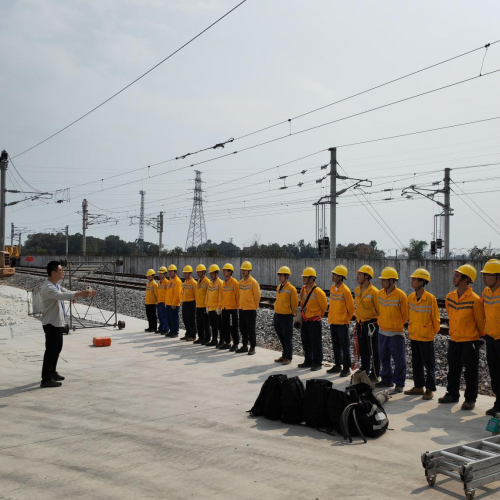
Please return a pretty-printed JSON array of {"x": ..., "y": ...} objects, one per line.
[
  {"x": 334, "y": 369},
  {"x": 225, "y": 346},
  {"x": 234, "y": 348},
  {"x": 161, "y": 333},
  {"x": 345, "y": 373},
  {"x": 149, "y": 330},
  {"x": 183, "y": 338},
  {"x": 243, "y": 348},
  {"x": 172, "y": 335},
  {"x": 493, "y": 412},
  {"x": 447, "y": 399},
  {"x": 384, "y": 384},
  {"x": 251, "y": 352},
  {"x": 468, "y": 405},
  {"x": 315, "y": 368},
  {"x": 304, "y": 365},
  {"x": 212, "y": 343},
  {"x": 199, "y": 341},
  {"x": 57, "y": 377},
  {"x": 50, "y": 383},
  {"x": 399, "y": 389}
]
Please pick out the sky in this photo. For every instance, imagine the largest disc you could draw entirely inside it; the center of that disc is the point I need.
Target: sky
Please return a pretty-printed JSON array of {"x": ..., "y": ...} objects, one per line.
[{"x": 267, "y": 62}]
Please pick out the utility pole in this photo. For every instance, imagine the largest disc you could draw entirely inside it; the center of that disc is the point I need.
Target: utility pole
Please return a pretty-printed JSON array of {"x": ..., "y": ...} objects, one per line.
[
  {"x": 11, "y": 234},
  {"x": 4, "y": 161},
  {"x": 67, "y": 239},
  {"x": 85, "y": 225},
  {"x": 19, "y": 242},
  {"x": 447, "y": 213},
  {"x": 160, "y": 230},
  {"x": 333, "y": 203}
]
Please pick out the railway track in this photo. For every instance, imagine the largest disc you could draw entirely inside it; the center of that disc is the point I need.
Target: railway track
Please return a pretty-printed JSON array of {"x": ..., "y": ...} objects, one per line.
[{"x": 265, "y": 302}]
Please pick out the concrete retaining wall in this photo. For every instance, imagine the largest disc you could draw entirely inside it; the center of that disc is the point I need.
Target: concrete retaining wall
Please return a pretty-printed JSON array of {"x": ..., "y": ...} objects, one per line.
[{"x": 265, "y": 269}]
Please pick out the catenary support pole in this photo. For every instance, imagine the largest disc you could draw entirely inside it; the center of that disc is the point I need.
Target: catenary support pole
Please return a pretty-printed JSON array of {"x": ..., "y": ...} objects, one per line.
[
  {"x": 160, "y": 230},
  {"x": 4, "y": 161},
  {"x": 67, "y": 239},
  {"x": 12, "y": 234},
  {"x": 333, "y": 203},
  {"x": 84, "y": 226},
  {"x": 447, "y": 213}
]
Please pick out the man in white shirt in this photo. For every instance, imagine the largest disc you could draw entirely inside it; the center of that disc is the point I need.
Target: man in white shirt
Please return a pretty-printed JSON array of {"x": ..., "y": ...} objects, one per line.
[{"x": 54, "y": 320}]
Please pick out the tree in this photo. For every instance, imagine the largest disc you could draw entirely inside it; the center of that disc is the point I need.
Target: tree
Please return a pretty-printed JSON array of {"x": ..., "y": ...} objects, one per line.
[{"x": 416, "y": 248}]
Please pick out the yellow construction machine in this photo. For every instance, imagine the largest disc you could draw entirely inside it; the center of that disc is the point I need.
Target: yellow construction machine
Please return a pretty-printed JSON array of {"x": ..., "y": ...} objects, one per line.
[{"x": 6, "y": 269}]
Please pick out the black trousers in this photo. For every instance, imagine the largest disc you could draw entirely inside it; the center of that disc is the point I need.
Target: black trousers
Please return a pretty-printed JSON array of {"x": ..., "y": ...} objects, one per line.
[
  {"x": 340, "y": 344},
  {"x": 247, "y": 327},
  {"x": 312, "y": 342},
  {"x": 493, "y": 358},
  {"x": 216, "y": 326},
  {"x": 230, "y": 325},
  {"x": 151, "y": 315},
  {"x": 189, "y": 318},
  {"x": 365, "y": 350},
  {"x": 203, "y": 324},
  {"x": 283, "y": 325},
  {"x": 422, "y": 356},
  {"x": 53, "y": 347},
  {"x": 463, "y": 355}
]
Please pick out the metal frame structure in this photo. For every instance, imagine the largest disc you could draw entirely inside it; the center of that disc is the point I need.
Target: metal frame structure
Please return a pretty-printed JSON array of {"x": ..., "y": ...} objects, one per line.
[{"x": 474, "y": 464}]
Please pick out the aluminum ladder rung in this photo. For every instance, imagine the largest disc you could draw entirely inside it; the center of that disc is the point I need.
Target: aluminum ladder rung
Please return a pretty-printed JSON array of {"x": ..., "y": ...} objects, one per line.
[
  {"x": 484, "y": 454},
  {"x": 491, "y": 445},
  {"x": 458, "y": 458}
]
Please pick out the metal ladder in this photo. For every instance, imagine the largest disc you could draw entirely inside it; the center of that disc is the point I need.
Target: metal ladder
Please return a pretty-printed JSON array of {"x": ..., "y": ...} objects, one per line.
[{"x": 474, "y": 464}]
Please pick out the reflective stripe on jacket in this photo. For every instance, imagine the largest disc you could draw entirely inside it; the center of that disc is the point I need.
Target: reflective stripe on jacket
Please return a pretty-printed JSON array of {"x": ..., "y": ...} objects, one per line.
[
  {"x": 366, "y": 303},
  {"x": 230, "y": 294},
  {"x": 151, "y": 293},
  {"x": 201, "y": 292},
  {"x": 424, "y": 318},
  {"x": 393, "y": 310},
  {"x": 491, "y": 301},
  {"x": 341, "y": 306},
  {"x": 174, "y": 292},
  {"x": 189, "y": 290},
  {"x": 466, "y": 316},
  {"x": 249, "y": 294},
  {"x": 214, "y": 294},
  {"x": 287, "y": 299},
  {"x": 317, "y": 304}
]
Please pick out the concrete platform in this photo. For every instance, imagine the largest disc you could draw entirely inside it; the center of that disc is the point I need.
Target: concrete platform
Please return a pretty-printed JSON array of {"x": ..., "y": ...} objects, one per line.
[{"x": 150, "y": 418}]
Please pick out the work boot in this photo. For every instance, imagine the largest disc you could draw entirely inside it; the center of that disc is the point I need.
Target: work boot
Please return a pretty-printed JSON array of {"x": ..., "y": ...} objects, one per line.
[
  {"x": 172, "y": 335},
  {"x": 334, "y": 369},
  {"x": 50, "y": 383},
  {"x": 183, "y": 338},
  {"x": 243, "y": 348},
  {"x": 428, "y": 395},
  {"x": 448, "y": 398},
  {"x": 345, "y": 373},
  {"x": 220, "y": 344},
  {"x": 202, "y": 342},
  {"x": 190, "y": 339},
  {"x": 415, "y": 391},
  {"x": 57, "y": 377},
  {"x": 225, "y": 346},
  {"x": 399, "y": 389},
  {"x": 213, "y": 343},
  {"x": 315, "y": 368},
  {"x": 304, "y": 365},
  {"x": 199, "y": 341},
  {"x": 251, "y": 352},
  {"x": 468, "y": 405},
  {"x": 385, "y": 385},
  {"x": 286, "y": 361},
  {"x": 493, "y": 412},
  {"x": 279, "y": 360},
  {"x": 234, "y": 348}
]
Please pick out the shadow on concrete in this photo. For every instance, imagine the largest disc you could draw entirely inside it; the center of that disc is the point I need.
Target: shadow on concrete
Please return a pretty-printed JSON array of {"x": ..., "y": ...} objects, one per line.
[
  {"x": 444, "y": 485},
  {"x": 5, "y": 393}
]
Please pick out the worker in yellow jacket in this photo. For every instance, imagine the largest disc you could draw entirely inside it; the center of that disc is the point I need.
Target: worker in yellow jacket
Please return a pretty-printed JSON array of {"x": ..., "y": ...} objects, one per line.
[
  {"x": 466, "y": 314},
  {"x": 340, "y": 312},
  {"x": 202, "y": 322},
  {"x": 173, "y": 300},
  {"x": 189, "y": 304},
  {"x": 214, "y": 304},
  {"x": 423, "y": 324},
  {"x": 313, "y": 306},
  {"x": 393, "y": 315},
  {"x": 367, "y": 311},
  {"x": 162, "y": 308},
  {"x": 285, "y": 306},
  {"x": 151, "y": 300},
  {"x": 491, "y": 302},
  {"x": 229, "y": 305},
  {"x": 249, "y": 290}
]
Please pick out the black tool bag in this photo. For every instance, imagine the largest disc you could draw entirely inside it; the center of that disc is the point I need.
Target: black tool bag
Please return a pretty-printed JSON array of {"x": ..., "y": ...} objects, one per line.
[
  {"x": 371, "y": 416},
  {"x": 272, "y": 403},
  {"x": 315, "y": 413},
  {"x": 292, "y": 400},
  {"x": 336, "y": 402},
  {"x": 266, "y": 397}
]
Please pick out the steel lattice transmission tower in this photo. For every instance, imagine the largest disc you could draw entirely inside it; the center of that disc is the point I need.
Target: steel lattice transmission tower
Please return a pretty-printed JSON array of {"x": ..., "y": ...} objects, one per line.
[
  {"x": 197, "y": 233},
  {"x": 141, "y": 218}
]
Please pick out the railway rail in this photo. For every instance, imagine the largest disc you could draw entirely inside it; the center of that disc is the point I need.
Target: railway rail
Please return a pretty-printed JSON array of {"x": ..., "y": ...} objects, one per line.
[{"x": 265, "y": 302}]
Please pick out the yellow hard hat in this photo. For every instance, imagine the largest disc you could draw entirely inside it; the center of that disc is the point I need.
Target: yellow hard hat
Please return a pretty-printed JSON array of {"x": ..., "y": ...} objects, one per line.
[
  {"x": 389, "y": 273},
  {"x": 469, "y": 271},
  {"x": 171, "y": 267},
  {"x": 213, "y": 268},
  {"x": 422, "y": 274},
  {"x": 246, "y": 266},
  {"x": 200, "y": 267},
  {"x": 492, "y": 267},
  {"x": 187, "y": 269},
  {"x": 162, "y": 269},
  {"x": 309, "y": 271},
  {"x": 228, "y": 267},
  {"x": 366, "y": 270},
  {"x": 284, "y": 270},
  {"x": 151, "y": 272},
  {"x": 340, "y": 270}
]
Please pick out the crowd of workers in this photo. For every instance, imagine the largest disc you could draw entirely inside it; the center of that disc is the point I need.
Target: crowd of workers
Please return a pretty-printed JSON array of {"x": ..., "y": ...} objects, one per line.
[{"x": 218, "y": 310}]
